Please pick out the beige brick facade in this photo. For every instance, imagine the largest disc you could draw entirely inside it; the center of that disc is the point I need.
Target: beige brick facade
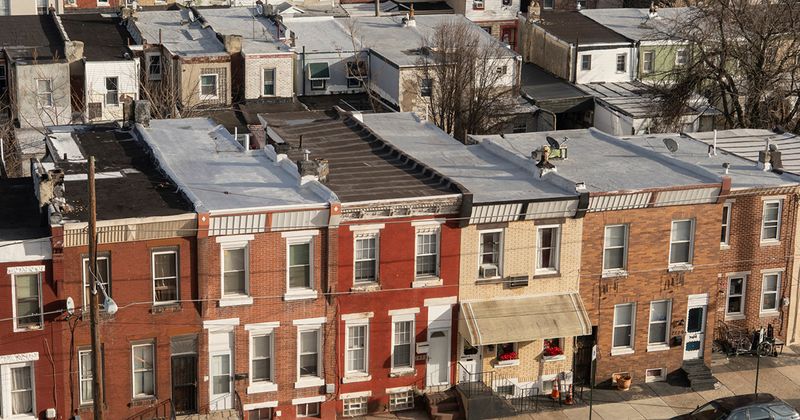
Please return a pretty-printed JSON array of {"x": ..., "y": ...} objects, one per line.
[{"x": 254, "y": 71}]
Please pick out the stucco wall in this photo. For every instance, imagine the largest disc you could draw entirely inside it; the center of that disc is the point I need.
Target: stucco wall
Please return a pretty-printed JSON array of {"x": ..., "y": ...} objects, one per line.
[
  {"x": 29, "y": 112},
  {"x": 604, "y": 65},
  {"x": 190, "y": 81}
]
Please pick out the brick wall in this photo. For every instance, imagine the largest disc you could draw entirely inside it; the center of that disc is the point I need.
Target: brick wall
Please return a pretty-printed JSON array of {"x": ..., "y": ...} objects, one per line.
[{"x": 254, "y": 68}]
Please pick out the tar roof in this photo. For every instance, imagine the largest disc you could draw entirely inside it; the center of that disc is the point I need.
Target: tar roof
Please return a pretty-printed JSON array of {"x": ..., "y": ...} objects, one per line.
[
  {"x": 258, "y": 33},
  {"x": 103, "y": 37},
  {"x": 572, "y": 27},
  {"x": 362, "y": 167},
  {"x": 217, "y": 174},
  {"x": 639, "y": 100},
  {"x": 22, "y": 34},
  {"x": 128, "y": 184},
  {"x": 477, "y": 168},
  {"x": 636, "y": 24},
  {"x": 748, "y": 142},
  {"x": 20, "y": 217},
  {"x": 178, "y": 33},
  {"x": 604, "y": 163}
]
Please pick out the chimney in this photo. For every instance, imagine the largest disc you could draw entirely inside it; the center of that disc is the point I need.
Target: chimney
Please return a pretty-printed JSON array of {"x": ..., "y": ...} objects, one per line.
[
  {"x": 544, "y": 164},
  {"x": 73, "y": 50},
  {"x": 764, "y": 157},
  {"x": 377, "y": 8},
  {"x": 411, "y": 21},
  {"x": 317, "y": 169},
  {"x": 233, "y": 43},
  {"x": 141, "y": 112},
  {"x": 653, "y": 13}
]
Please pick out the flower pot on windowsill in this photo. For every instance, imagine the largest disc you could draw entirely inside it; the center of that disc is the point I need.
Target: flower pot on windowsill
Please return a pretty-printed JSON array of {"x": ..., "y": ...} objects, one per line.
[
  {"x": 555, "y": 358},
  {"x": 506, "y": 363},
  {"x": 624, "y": 382}
]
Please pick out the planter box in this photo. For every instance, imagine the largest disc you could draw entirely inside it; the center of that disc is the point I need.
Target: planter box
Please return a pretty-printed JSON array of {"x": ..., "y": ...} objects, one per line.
[{"x": 505, "y": 363}]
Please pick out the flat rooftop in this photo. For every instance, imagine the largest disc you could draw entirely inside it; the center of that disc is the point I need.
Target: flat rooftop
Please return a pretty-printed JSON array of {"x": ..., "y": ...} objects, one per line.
[
  {"x": 104, "y": 39},
  {"x": 639, "y": 100},
  {"x": 179, "y": 30},
  {"x": 636, "y": 24},
  {"x": 321, "y": 34},
  {"x": 572, "y": 27},
  {"x": 127, "y": 182},
  {"x": 257, "y": 32},
  {"x": 551, "y": 92},
  {"x": 19, "y": 211},
  {"x": 489, "y": 176},
  {"x": 22, "y": 35},
  {"x": 746, "y": 143},
  {"x": 220, "y": 175},
  {"x": 362, "y": 167}
]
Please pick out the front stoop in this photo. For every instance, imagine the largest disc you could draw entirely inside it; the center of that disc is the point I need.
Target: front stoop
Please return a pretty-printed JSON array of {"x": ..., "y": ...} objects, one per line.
[
  {"x": 699, "y": 375},
  {"x": 214, "y": 415}
]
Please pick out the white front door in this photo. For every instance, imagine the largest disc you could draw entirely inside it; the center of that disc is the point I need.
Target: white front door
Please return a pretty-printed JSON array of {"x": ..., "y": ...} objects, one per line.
[
  {"x": 221, "y": 370},
  {"x": 695, "y": 327},
  {"x": 438, "y": 358},
  {"x": 470, "y": 361}
]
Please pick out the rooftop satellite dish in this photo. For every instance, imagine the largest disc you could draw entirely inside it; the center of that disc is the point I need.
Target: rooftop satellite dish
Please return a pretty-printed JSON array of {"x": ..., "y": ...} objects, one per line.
[
  {"x": 671, "y": 144},
  {"x": 70, "y": 305},
  {"x": 192, "y": 18},
  {"x": 553, "y": 143}
]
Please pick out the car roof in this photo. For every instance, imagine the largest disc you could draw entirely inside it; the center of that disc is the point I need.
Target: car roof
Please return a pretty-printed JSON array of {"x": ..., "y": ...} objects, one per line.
[{"x": 737, "y": 401}]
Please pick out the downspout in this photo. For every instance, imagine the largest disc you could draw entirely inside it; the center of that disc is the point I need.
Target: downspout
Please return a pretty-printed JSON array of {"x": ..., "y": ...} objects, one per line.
[
  {"x": 795, "y": 272},
  {"x": 303, "y": 70},
  {"x": 637, "y": 50},
  {"x": 575, "y": 61}
]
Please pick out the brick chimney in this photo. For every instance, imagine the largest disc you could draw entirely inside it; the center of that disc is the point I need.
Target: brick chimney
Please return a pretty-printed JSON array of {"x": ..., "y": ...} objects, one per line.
[{"x": 316, "y": 169}]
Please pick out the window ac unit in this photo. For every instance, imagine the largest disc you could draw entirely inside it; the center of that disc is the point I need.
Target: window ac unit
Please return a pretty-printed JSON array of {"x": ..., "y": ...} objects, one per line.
[
  {"x": 477, "y": 4},
  {"x": 489, "y": 271}
]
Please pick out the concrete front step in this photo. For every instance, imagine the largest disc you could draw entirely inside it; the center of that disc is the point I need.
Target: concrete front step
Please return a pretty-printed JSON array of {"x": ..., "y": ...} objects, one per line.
[{"x": 214, "y": 415}]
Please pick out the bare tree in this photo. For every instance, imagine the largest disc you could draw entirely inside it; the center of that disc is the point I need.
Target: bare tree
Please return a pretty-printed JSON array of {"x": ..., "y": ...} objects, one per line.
[{"x": 466, "y": 79}]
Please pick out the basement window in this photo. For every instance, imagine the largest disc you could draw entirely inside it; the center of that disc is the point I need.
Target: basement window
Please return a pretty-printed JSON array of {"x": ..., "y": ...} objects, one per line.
[
  {"x": 655, "y": 375},
  {"x": 401, "y": 401},
  {"x": 354, "y": 407}
]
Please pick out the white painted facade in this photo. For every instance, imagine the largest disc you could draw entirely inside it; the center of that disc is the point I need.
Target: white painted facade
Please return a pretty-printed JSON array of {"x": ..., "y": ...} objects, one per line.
[
  {"x": 96, "y": 72},
  {"x": 618, "y": 124},
  {"x": 384, "y": 79},
  {"x": 604, "y": 63},
  {"x": 337, "y": 67},
  {"x": 28, "y": 7},
  {"x": 254, "y": 67},
  {"x": 492, "y": 10}
]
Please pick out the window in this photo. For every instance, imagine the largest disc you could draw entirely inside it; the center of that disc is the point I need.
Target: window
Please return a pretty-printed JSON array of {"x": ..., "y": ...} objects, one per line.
[
  {"x": 366, "y": 258},
  {"x": 581, "y": 4},
  {"x": 103, "y": 276},
  {"x": 353, "y": 82},
  {"x": 356, "y": 357},
  {"x": 547, "y": 241},
  {"x": 520, "y": 128},
  {"x": 354, "y": 407},
  {"x": 44, "y": 92},
  {"x": 478, "y": 5},
  {"x": 208, "y": 86},
  {"x": 506, "y": 351},
  {"x": 623, "y": 326},
  {"x": 3, "y": 79},
  {"x": 771, "y": 221},
  {"x": 648, "y": 58},
  {"x": 501, "y": 70},
  {"x": 552, "y": 347},
  {"x": 680, "y": 245},
  {"x": 681, "y": 57},
  {"x": 490, "y": 254},
  {"x": 356, "y": 72},
  {"x": 41, "y": 7},
  {"x": 425, "y": 87},
  {"x": 402, "y": 343},
  {"x": 319, "y": 84},
  {"x": 736, "y": 290},
  {"x": 309, "y": 365},
  {"x": 427, "y": 258},
  {"x": 85, "y": 376},
  {"x": 112, "y": 91},
  {"x": 586, "y": 62},
  {"x": 17, "y": 397},
  {"x": 401, "y": 400},
  {"x": 548, "y": 4},
  {"x": 234, "y": 271},
  {"x": 770, "y": 287},
  {"x": 143, "y": 384},
  {"x": 507, "y": 2},
  {"x": 299, "y": 267},
  {"x": 659, "y": 322},
  {"x": 260, "y": 414},
  {"x": 260, "y": 358},
  {"x": 154, "y": 66},
  {"x": 726, "y": 224},
  {"x": 615, "y": 248},
  {"x": 622, "y": 60},
  {"x": 269, "y": 82},
  {"x": 654, "y": 375},
  {"x": 27, "y": 302},
  {"x": 308, "y": 410},
  {"x": 165, "y": 276}
]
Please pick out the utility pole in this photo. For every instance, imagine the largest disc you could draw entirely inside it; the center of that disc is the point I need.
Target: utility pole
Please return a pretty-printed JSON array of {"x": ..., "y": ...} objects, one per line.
[{"x": 94, "y": 303}]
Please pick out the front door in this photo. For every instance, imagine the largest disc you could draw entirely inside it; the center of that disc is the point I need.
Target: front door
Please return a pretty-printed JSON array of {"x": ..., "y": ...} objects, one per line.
[
  {"x": 438, "y": 358},
  {"x": 221, "y": 382},
  {"x": 184, "y": 383},
  {"x": 469, "y": 360},
  {"x": 695, "y": 328}
]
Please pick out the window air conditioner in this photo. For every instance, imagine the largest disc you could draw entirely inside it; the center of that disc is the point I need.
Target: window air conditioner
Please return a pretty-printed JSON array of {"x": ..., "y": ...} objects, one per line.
[
  {"x": 489, "y": 271},
  {"x": 477, "y": 4}
]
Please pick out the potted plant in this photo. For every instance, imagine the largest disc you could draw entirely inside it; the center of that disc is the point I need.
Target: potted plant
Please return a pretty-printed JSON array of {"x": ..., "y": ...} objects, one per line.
[
  {"x": 551, "y": 349},
  {"x": 624, "y": 382},
  {"x": 507, "y": 355}
]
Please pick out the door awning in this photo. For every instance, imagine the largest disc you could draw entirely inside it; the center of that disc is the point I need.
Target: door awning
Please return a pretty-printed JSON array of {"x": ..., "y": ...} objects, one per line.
[
  {"x": 318, "y": 71},
  {"x": 523, "y": 319}
]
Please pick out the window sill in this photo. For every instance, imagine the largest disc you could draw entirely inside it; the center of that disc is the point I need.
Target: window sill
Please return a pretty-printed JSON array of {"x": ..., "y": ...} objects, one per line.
[
  {"x": 300, "y": 295},
  {"x": 489, "y": 280},
  {"x": 262, "y": 387},
  {"x": 366, "y": 287},
  {"x": 309, "y": 383},
  {"x": 680, "y": 267},
  {"x": 607, "y": 274},
  {"x": 29, "y": 329},
  {"x": 426, "y": 282},
  {"x": 165, "y": 307},
  {"x": 735, "y": 317},
  {"x": 143, "y": 401},
  {"x": 768, "y": 314},
  {"x": 724, "y": 247},
  {"x": 235, "y": 301},
  {"x": 506, "y": 363},
  {"x": 396, "y": 373},
  {"x": 770, "y": 243},
  {"x": 546, "y": 274},
  {"x": 356, "y": 378},
  {"x": 558, "y": 358},
  {"x": 621, "y": 352},
  {"x": 657, "y": 347}
]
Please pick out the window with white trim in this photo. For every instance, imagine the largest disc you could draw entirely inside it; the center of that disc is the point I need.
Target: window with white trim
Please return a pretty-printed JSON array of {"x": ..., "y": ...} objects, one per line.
[
  {"x": 17, "y": 396},
  {"x": 165, "y": 276},
  {"x": 103, "y": 276},
  {"x": 308, "y": 409},
  {"x": 209, "y": 86},
  {"x": 648, "y": 58},
  {"x": 725, "y": 234},
  {"x": 112, "y": 91},
  {"x": 265, "y": 413},
  {"x": 622, "y": 61},
  {"x": 615, "y": 248},
  {"x": 624, "y": 319},
  {"x": 681, "y": 57},
  {"x": 44, "y": 92},
  {"x": 153, "y": 66},
  {"x": 27, "y": 301},
  {"x": 299, "y": 265},
  {"x": 427, "y": 254},
  {"x": 260, "y": 358},
  {"x": 85, "y": 376},
  {"x": 658, "y": 330},
  {"x": 734, "y": 305},
  {"x": 354, "y": 407},
  {"x": 491, "y": 254},
  {"x": 586, "y": 62},
  {"x": 310, "y": 358},
  {"x": 402, "y": 344},
  {"x": 143, "y": 370},
  {"x": 771, "y": 221},
  {"x": 365, "y": 258},
  {"x": 235, "y": 263},
  {"x": 681, "y": 242},
  {"x": 547, "y": 249},
  {"x": 770, "y": 292},
  {"x": 357, "y": 339},
  {"x": 268, "y": 82},
  {"x": 654, "y": 375},
  {"x": 401, "y": 400}
]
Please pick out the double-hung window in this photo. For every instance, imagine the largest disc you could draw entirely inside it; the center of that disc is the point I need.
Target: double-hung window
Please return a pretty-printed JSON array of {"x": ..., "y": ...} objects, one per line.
[
  {"x": 624, "y": 322},
  {"x": 103, "y": 276},
  {"x": 143, "y": 370},
  {"x": 771, "y": 221},
  {"x": 622, "y": 62},
  {"x": 299, "y": 267},
  {"x": 85, "y": 376},
  {"x": 615, "y": 249},
  {"x": 209, "y": 86},
  {"x": 366, "y": 258},
  {"x": 427, "y": 255},
  {"x": 308, "y": 409},
  {"x": 44, "y": 92},
  {"x": 658, "y": 330},
  {"x": 268, "y": 82},
  {"x": 681, "y": 57},
  {"x": 648, "y": 58},
  {"x": 586, "y": 62},
  {"x": 426, "y": 87},
  {"x": 309, "y": 354},
  {"x": 165, "y": 276},
  {"x": 153, "y": 66},
  {"x": 737, "y": 288},
  {"x": 491, "y": 254},
  {"x": 356, "y": 353},
  {"x": 27, "y": 301},
  {"x": 681, "y": 243},
  {"x": 770, "y": 293},
  {"x": 725, "y": 234},
  {"x": 17, "y": 396},
  {"x": 402, "y": 344},
  {"x": 112, "y": 91},
  {"x": 547, "y": 249},
  {"x": 260, "y": 358},
  {"x": 235, "y": 271}
]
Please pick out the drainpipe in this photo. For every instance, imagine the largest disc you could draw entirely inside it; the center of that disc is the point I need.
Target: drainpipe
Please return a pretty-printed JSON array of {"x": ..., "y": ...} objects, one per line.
[
  {"x": 575, "y": 61},
  {"x": 303, "y": 70}
]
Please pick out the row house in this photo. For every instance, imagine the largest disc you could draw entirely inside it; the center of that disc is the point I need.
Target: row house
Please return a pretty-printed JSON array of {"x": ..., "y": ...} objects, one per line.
[
  {"x": 146, "y": 251},
  {"x": 29, "y": 328},
  {"x": 29, "y": 7},
  {"x": 263, "y": 271},
  {"x": 395, "y": 270},
  {"x": 496, "y": 17}
]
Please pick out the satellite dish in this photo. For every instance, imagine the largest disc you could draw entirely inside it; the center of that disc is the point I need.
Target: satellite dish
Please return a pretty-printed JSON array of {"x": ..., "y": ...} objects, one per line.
[
  {"x": 70, "y": 305},
  {"x": 671, "y": 144},
  {"x": 192, "y": 18},
  {"x": 553, "y": 143}
]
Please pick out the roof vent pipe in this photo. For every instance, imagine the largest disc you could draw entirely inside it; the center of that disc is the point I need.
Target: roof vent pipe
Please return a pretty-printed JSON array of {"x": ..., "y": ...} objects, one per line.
[{"x": 764, "y": 157}]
